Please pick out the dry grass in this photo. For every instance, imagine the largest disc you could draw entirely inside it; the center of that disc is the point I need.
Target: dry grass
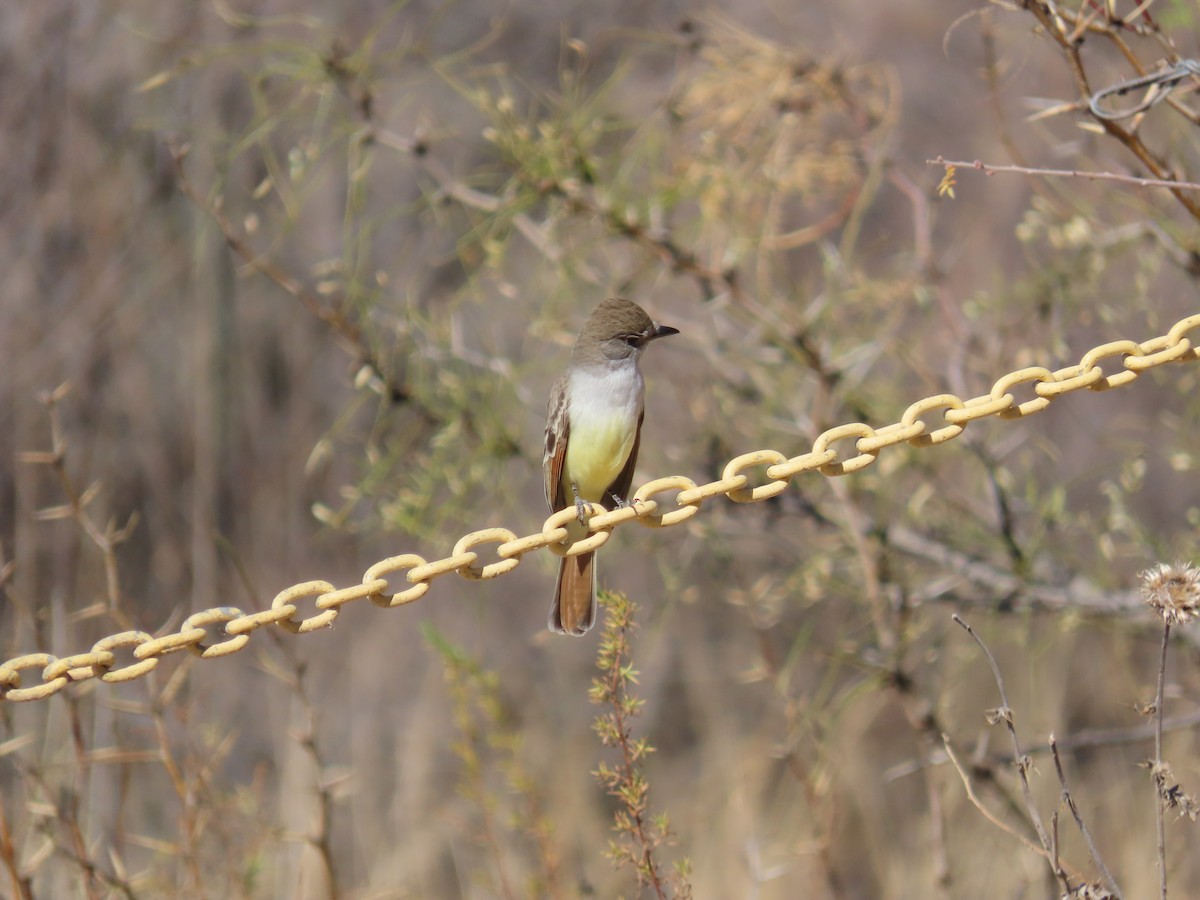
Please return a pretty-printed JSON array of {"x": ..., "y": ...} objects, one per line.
[{"x": 309, "y": 273}]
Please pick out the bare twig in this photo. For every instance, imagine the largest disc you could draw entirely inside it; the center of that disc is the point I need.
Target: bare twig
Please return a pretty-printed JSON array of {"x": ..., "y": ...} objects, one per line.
[
  {"x": 345, "y": 329},
  {"x": 319, "y": 836},
  {"x": 990, "y": 169},
  {"x": 106, "y": 539},
  {"x": 20, "y": 882},
  {"x": 1023, "y": 762},
  {"x": 255, "y": 261},
  {"x": 1159, "y": 779},
  {"x": 1055, "y": 22},
  {"x": 979, "y": 805},
  {"x": 1086, "y": 738},
  {"x": 1087, "y": 835},
  {"x": 292, "y": 673}
]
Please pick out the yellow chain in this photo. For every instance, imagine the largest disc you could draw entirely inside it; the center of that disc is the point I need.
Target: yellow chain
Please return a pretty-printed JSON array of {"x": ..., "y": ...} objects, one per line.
[{"x": 100, "y": 661}]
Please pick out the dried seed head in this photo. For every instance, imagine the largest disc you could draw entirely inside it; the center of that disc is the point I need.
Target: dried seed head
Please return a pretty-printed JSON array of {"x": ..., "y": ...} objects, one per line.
[{"x": 1172, "y": 591}]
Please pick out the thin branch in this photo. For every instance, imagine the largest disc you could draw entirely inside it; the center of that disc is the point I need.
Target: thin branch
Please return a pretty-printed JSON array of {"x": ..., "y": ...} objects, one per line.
[
  {"x": 106, "y": 539},
  {"x": 989, "y": 169},
  {"x": 1159, "y": 778},
  {"x": 329, "y": 313},
  {"x": 1023, "y": 762},
  {"x": 1086, "y": 738},
  {"x": 21, "y": 883},
  {"x": 1087, "y": 835},
  {"x": 1052, "y": 19},
  {"x": 256, "y": 262},
  {"x": 978, "y": 804}
]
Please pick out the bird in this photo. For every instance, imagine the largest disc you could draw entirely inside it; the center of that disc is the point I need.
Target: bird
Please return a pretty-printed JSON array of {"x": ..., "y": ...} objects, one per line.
[{"x": 593, "y": 433}]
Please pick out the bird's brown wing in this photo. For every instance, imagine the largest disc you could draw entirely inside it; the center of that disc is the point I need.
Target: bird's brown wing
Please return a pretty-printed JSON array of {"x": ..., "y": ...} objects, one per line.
[
  {"x": 555, "y": 457},
  {"x": 622, "y": 483}
]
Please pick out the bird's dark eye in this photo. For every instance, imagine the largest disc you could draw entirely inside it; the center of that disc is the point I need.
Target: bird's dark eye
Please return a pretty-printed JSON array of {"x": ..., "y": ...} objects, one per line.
[{"x": 632, "y": 340}]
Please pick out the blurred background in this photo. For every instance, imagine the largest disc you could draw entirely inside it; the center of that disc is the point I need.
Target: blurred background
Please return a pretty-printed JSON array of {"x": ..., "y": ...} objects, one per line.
[{"x": 283, "y": 288}]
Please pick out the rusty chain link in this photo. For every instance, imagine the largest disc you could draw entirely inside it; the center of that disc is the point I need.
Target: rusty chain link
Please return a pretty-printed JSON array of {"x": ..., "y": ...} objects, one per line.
[{"x": 224, "y": 630}]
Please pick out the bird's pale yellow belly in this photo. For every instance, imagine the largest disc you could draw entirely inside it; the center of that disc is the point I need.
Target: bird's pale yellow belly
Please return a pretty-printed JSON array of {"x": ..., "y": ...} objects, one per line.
[{"x": 596, "y": 453}]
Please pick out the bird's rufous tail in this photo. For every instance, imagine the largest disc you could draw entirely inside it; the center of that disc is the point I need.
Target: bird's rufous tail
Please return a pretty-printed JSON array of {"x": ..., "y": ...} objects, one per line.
[{"x": 574, "y": 609}]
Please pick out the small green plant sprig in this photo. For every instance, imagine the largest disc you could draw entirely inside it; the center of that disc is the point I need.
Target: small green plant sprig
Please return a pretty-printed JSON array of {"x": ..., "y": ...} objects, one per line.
[{"x": 639, "y": 833}]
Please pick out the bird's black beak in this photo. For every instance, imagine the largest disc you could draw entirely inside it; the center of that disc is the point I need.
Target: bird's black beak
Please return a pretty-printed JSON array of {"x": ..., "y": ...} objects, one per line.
[{"x": 662, "y": 331}]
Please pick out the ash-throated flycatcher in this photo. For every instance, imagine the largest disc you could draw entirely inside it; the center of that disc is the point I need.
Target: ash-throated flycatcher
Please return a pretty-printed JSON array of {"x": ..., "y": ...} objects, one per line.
[{"x": 593, "y": 431}]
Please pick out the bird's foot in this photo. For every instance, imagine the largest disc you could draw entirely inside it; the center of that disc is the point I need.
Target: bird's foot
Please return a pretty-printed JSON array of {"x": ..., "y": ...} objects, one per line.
[{"x": 581, "y": 506}]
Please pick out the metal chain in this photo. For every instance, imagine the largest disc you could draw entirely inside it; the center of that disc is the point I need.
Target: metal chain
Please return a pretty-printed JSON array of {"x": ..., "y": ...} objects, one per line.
[{"x": 225, "y": 629}]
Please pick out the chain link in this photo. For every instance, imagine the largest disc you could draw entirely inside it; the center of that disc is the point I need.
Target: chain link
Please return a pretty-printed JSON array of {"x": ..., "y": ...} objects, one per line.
[{"x": 230, "y": 627}]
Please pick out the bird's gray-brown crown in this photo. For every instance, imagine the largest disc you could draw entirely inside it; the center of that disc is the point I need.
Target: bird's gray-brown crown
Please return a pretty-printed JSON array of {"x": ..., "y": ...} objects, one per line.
[{"x": 617, "y": 329}]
